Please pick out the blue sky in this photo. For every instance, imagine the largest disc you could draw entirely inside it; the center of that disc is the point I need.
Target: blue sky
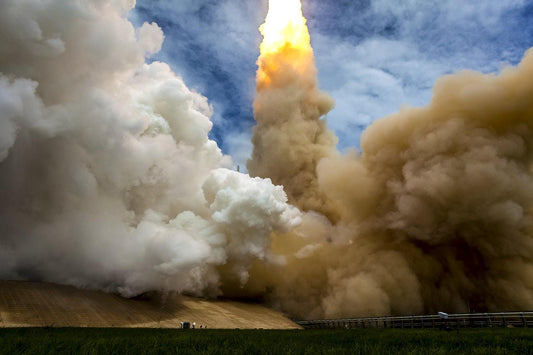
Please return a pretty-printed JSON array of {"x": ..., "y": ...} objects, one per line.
[{"x": 373, "y": 56}]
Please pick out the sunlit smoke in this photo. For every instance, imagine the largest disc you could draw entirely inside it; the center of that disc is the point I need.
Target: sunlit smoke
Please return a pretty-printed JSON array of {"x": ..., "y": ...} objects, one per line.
[
  {"x": 289, "y": 107},
  {"x": 436, "y": 213},
  {"x": 108, "y": 178}
]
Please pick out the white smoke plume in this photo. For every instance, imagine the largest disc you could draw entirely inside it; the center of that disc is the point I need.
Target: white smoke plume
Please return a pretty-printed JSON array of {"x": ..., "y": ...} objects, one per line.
[{"x": 108, "y": 178}]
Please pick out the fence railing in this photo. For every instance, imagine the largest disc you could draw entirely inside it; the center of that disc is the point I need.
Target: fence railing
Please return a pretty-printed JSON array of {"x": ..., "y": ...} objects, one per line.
[{"x": 469, "y": 320}]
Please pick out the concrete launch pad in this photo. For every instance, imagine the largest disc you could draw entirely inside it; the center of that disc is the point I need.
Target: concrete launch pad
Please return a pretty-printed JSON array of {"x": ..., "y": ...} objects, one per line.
[{"x": 32, "y": 304}]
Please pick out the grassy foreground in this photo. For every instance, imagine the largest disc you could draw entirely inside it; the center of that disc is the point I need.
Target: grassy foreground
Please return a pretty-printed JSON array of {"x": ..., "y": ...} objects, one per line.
[{"x": 361, "y": 341}]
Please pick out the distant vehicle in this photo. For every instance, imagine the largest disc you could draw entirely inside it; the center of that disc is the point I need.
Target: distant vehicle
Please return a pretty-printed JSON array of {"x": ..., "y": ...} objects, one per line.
[
  {"x": 443, "y": 315},
  {"x": 444, "y": 325},
  {"x": 185, "y": 325}
]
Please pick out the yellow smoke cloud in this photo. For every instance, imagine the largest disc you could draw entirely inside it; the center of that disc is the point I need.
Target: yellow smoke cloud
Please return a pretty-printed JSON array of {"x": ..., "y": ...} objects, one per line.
[
  {"x": 288, "y": 101},
  {"x": 435, "y": 214}
]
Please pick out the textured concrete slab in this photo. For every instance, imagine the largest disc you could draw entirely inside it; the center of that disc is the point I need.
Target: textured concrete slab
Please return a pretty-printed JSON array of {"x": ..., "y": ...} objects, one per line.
[{"x": 31, "y": 304}]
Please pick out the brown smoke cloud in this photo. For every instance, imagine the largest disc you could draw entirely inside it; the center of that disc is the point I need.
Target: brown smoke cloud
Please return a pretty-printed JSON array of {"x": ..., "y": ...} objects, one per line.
[
  {"x": 290, "y": 137},
  {"x": 435, "y": 214}
]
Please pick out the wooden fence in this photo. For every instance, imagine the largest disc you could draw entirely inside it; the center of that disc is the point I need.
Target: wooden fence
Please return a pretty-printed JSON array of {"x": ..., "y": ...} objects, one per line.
[{"x": 470, "y": 320}]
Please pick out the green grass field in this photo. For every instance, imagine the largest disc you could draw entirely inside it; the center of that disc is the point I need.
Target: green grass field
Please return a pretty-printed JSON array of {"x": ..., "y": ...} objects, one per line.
[{"x": 361, "y": 341}]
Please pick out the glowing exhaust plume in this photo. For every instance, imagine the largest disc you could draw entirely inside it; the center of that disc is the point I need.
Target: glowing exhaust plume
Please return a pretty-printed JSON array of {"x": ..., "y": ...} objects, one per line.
[
  {"x": 284, "y": 27},
  {"x": 290, "y": 137},
  {"x": 285, "y": 40}
]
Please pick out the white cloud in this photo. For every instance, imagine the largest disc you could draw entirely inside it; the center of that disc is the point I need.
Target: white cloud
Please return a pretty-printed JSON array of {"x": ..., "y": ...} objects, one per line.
[
  {"x": 373, "y": 58},
  {"x": 372, "y": 76},
  {"x": 371, "y": 80}
]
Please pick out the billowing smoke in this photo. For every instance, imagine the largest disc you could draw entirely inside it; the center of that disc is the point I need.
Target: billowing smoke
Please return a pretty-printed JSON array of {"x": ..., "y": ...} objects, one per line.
[
  {"x": 434, "y": 214},
  {"x": 290, "y": 138},
  {"x": 107, "y": 177}
]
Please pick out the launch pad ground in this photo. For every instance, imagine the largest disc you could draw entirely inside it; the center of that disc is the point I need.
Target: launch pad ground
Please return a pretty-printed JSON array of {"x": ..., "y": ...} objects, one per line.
[
  {"x": 31, "y": 304},
  {"x": 38, "y": 318}
]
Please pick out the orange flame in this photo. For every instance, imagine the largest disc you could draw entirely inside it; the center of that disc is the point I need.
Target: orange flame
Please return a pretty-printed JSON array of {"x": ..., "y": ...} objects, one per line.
[
  {"x": 286, "y": 42},
  {"x": 284, "y": 26}
]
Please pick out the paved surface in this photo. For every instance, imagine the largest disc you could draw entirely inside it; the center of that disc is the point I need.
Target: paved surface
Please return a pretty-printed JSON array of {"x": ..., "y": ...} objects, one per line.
[{"x": 30, "y": 304}]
